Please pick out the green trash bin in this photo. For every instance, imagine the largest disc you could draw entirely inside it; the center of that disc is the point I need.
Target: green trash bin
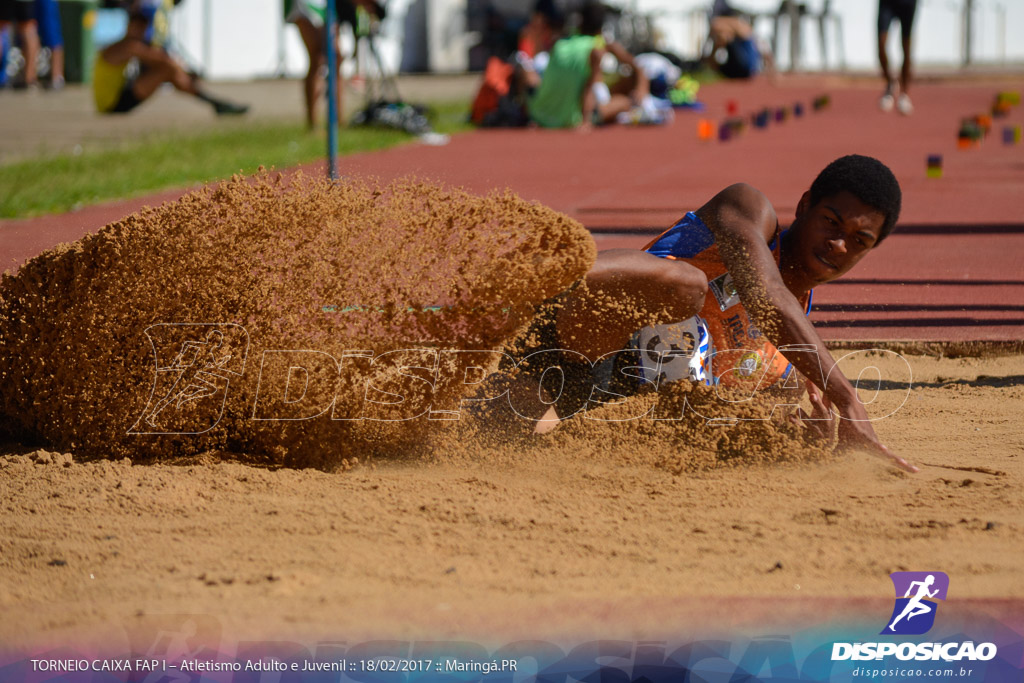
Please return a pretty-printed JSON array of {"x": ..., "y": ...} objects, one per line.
[{"x": 77, "y": 19}]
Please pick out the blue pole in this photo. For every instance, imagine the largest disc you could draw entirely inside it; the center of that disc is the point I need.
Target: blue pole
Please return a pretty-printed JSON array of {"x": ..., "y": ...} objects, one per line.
[{"x": 332, "y": 89}]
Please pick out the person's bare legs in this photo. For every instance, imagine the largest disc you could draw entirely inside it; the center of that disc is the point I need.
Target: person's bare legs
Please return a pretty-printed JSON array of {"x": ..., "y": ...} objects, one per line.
[
  {"x": 906, "y": 69},
  {"x": 618, "y": 104},
  {"x": 30, "y": 44},
  {"x": 625, "y": 94},
  {"x": 312, "y": 38},
  {"x": 883, "y": 56},
  {"x": 888, "y": 98},
  {"x": 155, "y": 75},
  {"x": 903, "y": 104},
  {"x": 57, "y": 66},
  {"x": 167, "y": 70}
]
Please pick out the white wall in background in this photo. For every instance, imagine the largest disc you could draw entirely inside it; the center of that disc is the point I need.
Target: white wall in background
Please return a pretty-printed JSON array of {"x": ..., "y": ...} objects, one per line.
[
  {"x": 938, "y": 30},
  {"x": 239, "y": 39}
]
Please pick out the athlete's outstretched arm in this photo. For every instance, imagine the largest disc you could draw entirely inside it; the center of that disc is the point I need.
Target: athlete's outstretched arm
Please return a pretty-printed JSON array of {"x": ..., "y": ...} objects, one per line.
[{"x": 744, "y": 222}]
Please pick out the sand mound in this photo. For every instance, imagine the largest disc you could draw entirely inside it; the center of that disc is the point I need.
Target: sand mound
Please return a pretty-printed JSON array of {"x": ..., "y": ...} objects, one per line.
[
  {"x": 296, "y": 321},
  {"x": 688, "y": 427},
  {"x": 682, "y": 428}
]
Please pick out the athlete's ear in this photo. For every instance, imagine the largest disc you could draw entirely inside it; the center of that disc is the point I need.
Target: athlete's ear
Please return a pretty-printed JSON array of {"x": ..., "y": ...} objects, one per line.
[{"x": 804, "y": 204}]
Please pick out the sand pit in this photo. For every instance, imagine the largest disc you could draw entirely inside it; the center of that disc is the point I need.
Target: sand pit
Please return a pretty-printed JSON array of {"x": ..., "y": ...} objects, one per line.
[
  {"x": 557, "y": 536},
  {"x": 602, "y": 528}
]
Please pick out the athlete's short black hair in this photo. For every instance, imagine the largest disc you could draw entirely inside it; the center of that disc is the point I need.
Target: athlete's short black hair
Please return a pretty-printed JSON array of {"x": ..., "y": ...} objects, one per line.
[
  {"x": 592, "y": 17},
  {"x": 867, "y": 179}
]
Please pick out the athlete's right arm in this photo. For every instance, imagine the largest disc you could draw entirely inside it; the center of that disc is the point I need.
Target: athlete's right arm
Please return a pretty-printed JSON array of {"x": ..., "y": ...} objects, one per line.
[{"x": 743, "y": 223}]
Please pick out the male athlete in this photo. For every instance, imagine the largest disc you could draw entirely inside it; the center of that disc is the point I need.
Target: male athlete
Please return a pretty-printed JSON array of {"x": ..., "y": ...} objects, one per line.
[{"x": 748, "y": 283}]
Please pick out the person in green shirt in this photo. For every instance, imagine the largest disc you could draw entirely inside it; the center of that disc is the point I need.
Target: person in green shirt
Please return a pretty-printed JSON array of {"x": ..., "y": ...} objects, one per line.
[{"x": 571, "y": 93}]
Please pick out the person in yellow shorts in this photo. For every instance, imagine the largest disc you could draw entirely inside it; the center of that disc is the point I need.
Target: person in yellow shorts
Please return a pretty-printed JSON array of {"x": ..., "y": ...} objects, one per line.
[{"x": 115, "y": 91}]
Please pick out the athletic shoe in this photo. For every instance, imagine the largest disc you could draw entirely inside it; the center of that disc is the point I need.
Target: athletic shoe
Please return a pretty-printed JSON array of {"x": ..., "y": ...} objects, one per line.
[
  {"x": 230, "y": 108},
  {"x": 886, "y": 102},
  {"x": 904, "y": 105}
]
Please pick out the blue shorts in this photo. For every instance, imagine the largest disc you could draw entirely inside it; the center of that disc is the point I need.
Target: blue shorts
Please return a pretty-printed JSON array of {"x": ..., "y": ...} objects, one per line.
[
  {"x": 742, "y": 61},
  {"x": 48, "y": 20}
]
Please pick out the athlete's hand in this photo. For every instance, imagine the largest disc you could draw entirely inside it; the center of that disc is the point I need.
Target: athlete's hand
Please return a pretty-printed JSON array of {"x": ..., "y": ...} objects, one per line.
[
  {"x": 856, "y": 432},
  {"x": 820, "y": 419}
]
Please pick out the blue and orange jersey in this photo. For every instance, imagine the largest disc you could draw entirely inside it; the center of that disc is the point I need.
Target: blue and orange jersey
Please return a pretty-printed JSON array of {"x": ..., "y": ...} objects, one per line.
[{"x": 741, "y": 353}]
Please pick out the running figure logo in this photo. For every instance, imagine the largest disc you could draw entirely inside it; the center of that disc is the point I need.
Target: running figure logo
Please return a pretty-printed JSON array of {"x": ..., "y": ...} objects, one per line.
[
  {"x": 914, "y": 613},
  {"x": 194, "y": 363}
]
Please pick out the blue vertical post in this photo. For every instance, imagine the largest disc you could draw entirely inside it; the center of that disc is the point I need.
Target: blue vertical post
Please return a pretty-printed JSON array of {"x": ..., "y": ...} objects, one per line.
[{"x": 332, "y": 89}]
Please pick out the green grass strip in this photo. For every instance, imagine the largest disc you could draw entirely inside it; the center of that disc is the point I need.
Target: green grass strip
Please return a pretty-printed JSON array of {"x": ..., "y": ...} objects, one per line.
[{"x": 62, "y": 183}]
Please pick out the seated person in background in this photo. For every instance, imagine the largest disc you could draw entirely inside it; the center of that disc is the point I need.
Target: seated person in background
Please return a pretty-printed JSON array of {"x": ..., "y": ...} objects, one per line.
[
  {"x": 734, "y": 34},
  {"x": 115, "y": 91},
  {"x": 501, "y": 98},
  {"x": 571, "y": 93}
]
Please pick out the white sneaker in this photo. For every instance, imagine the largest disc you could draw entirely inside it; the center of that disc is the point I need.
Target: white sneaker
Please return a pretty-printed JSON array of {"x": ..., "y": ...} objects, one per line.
[
  {"x": 904, "y": 105},
  {"x": 886, "y": 101}
]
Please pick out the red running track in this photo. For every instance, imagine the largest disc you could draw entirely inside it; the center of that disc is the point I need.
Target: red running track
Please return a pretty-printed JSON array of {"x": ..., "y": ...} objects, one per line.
[{"x": 952, "y": 272}]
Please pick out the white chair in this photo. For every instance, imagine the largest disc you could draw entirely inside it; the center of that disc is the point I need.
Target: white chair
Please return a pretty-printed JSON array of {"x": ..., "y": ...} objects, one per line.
[
  {"x": 823, "y": 17},
  {"x": 793, "y": 13}
]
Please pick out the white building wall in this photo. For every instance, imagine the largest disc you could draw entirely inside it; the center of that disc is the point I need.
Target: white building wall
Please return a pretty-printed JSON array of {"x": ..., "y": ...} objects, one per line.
[
  {"x": 998, "y": 31},
  {"x": 240, "y": 39}
]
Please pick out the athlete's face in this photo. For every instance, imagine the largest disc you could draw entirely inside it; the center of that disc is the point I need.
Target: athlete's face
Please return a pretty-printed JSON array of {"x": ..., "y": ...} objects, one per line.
[{"x": 833, "y": 235}]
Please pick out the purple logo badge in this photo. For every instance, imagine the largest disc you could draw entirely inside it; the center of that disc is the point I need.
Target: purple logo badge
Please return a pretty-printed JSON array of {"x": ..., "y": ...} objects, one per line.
[{"x": 916, "y": 596}]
